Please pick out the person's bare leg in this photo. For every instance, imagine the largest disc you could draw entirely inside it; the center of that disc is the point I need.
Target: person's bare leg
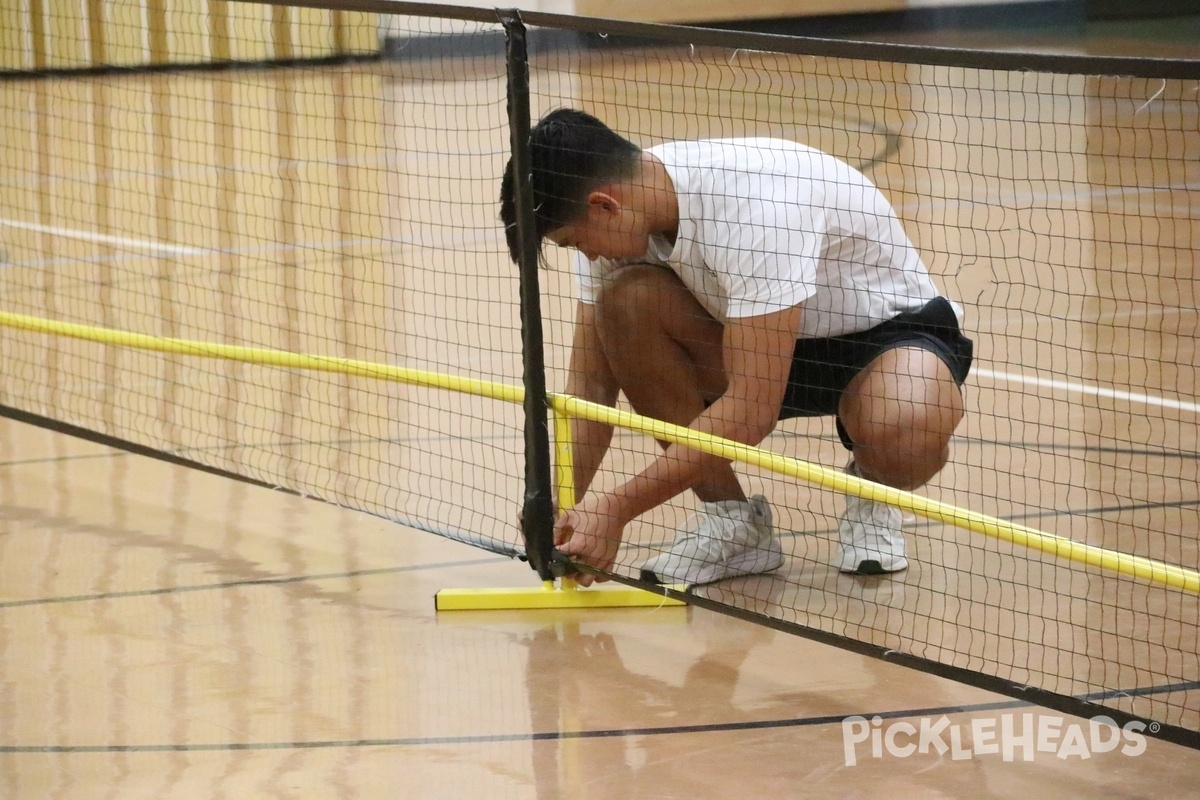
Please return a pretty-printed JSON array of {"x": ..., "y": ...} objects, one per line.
[
  {"x": 900, "y": 412},
  {"x": 666, "y": 353}
]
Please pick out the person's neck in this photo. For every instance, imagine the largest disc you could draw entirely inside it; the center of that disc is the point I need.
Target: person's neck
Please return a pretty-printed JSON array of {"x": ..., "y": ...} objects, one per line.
[{"x": 659, "y": 199}]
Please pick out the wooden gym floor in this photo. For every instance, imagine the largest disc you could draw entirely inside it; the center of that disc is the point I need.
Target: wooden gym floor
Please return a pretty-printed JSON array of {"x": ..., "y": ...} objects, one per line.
[{"x": 165, "y": 633}]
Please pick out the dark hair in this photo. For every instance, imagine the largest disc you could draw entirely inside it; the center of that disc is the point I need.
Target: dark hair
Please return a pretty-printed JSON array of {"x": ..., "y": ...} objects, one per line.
[{"x": 572, "y": 153}]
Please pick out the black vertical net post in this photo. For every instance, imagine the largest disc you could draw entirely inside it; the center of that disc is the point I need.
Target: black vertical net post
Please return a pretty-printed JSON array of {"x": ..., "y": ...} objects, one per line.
[{"x": 538, "y": 507}]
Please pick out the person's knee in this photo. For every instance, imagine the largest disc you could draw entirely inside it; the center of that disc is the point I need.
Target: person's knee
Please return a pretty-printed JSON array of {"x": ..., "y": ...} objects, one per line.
[
  {"x": 663, "y": 347},
  {"x": 903, "y": 461},
  {"x": 641, "y": 304},
  {"x": 901, "y": 415},
  {"x": 630, "y": 294}
]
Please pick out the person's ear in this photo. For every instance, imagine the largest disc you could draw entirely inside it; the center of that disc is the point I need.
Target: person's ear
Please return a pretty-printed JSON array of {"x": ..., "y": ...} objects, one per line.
[{"x": 603, "y": 203}]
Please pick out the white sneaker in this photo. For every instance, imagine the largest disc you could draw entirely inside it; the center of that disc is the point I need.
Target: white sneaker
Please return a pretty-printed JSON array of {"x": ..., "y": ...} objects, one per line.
[
  {"x": 871, "y": 535},
  {"x": 721, "y": 540}
]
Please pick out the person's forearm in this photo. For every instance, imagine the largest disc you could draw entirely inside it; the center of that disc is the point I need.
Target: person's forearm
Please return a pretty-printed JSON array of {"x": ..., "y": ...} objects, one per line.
[
  {"x": 679, "y": 467},
  {"x": 758, "y": 358},
  {"x": 589, "y": 444}
]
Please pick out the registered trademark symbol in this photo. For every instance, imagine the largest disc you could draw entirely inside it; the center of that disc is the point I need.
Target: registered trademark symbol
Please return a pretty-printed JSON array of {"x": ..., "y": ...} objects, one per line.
[{"x": 1155, "y": 727}]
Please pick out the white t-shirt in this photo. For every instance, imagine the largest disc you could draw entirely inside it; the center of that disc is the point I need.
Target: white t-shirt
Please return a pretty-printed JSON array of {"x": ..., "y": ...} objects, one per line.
[{"x": 765, "y": 224}]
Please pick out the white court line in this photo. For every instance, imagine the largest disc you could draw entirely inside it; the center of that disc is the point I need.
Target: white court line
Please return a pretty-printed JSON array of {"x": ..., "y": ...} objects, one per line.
[
  {"x": 1085, "y": 389},
  {"x": 101, "y": 238},
  {"x": 453, "y": 239},
  {"x": 990, "y": 315}
]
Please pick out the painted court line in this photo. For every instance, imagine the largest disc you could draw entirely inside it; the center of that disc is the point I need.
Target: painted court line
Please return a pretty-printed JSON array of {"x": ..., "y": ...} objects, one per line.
[
  {"x": 101, "y": 238},
  {"x": 244, "y": 584},
  {"x": 564, "y": 735},
  {"x": 1086, "y": 389}
]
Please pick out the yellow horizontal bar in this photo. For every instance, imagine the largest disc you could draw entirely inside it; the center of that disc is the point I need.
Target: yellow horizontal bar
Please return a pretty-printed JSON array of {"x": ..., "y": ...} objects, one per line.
[
  {"x": 1130, "y": 565},
  {"x": 265, "y": 357},
  {"x": 1133, "y": 566}
]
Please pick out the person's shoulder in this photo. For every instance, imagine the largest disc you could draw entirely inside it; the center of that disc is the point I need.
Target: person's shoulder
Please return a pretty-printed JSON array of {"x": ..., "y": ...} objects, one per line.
[
  {"x": 746, "y": 151},
  {"x": 759, "y": 166},
  {"x": 764, "y": 144},
  {"x": 732, "y": 143}
]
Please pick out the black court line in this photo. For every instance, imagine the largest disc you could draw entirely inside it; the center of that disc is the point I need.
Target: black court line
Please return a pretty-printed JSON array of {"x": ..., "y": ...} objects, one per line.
[
  {"x": 1018, "y": 444},
  {"x": 122, "y": 450},
  {"x": 83, "y": 598},
  {"x": 1166, "y": 688},
  {"x": 25, "y": 462},
  {"x": 604, "y": 733}
]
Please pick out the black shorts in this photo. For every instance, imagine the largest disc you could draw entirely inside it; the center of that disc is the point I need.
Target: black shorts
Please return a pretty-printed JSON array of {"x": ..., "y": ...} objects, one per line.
[{"x": 823, "y": 368}]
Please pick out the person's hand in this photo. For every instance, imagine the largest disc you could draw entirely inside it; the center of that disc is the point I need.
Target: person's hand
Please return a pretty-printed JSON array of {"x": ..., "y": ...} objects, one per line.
[{"x": 589, "y": 534}]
